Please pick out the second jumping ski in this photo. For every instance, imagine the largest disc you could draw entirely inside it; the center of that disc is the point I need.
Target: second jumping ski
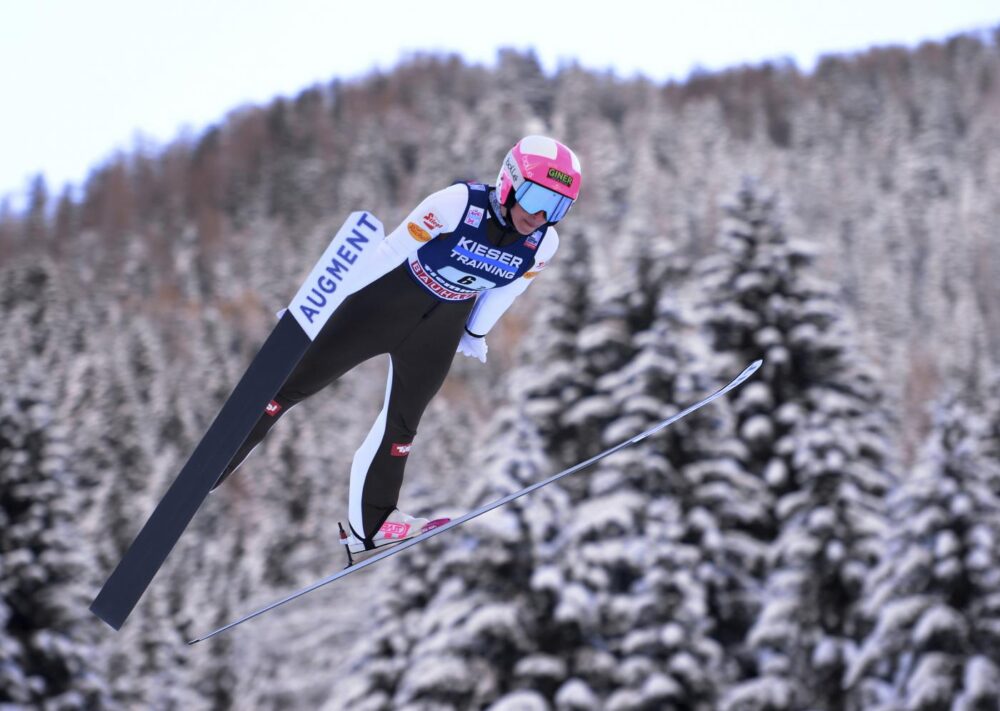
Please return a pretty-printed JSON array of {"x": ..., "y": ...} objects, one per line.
[{"x": 437, "y": 530}]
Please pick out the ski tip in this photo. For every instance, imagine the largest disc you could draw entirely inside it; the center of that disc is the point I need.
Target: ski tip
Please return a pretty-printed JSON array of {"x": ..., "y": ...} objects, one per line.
[{"x": 750, "y": 370}]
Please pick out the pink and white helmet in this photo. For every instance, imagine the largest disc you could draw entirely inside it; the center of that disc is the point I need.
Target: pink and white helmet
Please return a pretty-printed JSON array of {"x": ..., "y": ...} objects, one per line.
[{"x": 540, "y": 173}]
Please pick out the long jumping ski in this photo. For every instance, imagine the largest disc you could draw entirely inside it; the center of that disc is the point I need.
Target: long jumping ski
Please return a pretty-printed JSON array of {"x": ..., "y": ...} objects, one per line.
[
  {"x": 327, "y": 286},
  {"x": 410, "y": 542}
]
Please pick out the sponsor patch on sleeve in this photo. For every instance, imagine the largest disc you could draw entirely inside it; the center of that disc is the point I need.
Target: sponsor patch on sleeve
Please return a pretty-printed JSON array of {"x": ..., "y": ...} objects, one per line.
[
  {"x": 536, "y": 269},
  {"x": 475, "y": 216},
  {"x": 417, "y": 232},
  {"x": 432, "y": 222}
]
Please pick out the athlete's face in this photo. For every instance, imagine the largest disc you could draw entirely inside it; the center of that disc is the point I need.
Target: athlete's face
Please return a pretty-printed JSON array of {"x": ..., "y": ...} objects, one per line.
[{"x": 525, "y": 222}]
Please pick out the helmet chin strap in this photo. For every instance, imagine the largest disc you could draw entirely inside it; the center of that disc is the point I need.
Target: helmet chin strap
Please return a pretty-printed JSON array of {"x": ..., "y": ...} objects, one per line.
[{"x": 506, "y": 223}]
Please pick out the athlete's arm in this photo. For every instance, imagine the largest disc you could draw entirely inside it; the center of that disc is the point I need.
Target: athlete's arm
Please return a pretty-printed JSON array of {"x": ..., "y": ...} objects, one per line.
[
  {"x": 491, "y": 304},
  {"x": 438, "y": 213}
]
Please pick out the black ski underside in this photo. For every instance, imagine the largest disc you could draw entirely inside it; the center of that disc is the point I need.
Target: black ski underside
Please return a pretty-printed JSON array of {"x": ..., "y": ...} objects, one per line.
[{"x": 267, "y": 373}]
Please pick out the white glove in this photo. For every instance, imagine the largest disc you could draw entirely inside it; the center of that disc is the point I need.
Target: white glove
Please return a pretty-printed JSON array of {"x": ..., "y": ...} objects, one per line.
[{"x": 473, "y": 347}]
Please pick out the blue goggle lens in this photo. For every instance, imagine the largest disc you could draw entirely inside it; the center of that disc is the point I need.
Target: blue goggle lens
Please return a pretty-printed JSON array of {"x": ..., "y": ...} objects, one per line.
[{"x": 533, "y": 197}]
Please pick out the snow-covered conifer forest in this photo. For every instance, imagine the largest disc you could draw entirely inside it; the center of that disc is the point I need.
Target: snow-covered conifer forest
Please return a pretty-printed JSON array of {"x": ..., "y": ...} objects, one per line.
[{"x": 826, "y": 538}]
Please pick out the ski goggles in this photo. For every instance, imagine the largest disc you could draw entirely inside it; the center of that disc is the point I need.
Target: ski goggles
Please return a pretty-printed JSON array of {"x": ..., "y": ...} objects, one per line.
[{"x": 533, "y": 197}]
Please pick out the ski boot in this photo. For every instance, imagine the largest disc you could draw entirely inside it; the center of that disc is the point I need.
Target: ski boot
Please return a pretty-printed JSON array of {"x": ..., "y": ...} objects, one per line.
[{"x": 395, "y": 529}]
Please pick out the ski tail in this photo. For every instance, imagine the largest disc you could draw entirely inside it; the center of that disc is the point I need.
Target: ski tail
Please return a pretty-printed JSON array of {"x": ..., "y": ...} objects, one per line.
[
  {"x": 268, "y": 371},
  {"x": 156, "y": 539}
]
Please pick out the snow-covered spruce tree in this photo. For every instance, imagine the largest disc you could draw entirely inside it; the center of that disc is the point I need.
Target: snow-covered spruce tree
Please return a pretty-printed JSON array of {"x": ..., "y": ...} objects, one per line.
[
  {"x": 115, "y": 397},
  {"x": 644, "y": 545},
  {"x": 134, "y": 424},
  {"x": 118, "y": 403},
  {"x": 585, "y": 332},
  {"x": 991, "y": 418},
  {"x": 627, "y": 570},
  {"x": 46, "y": 660},
  {"x": 217, "y": 566},
  {"x": 817, "y": 431},
  {"x": 934, "y": 600},
  {"x": 551, "y": 376},
  {"x": 147, "y": 663}
]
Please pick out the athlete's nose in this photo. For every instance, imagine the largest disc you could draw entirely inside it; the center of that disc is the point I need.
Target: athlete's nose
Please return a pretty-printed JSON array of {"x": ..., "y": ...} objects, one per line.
[{"x": 538, "y": 219}]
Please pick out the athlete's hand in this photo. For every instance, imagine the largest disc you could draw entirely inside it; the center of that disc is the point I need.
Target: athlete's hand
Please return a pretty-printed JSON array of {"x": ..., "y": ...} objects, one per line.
[{"x": 473, "y": 347}]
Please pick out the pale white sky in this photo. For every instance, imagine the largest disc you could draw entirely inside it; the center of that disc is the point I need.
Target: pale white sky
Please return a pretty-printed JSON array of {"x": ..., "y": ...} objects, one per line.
[{"x": 81, "y": 79}]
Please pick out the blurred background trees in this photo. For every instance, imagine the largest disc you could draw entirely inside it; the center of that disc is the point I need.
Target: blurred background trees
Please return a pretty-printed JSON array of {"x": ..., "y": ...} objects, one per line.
[{"x": 824, "y": 539}]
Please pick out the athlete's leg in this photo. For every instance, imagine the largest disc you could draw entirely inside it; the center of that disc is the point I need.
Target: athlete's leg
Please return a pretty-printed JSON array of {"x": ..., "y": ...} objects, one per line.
[
  {"x": 418, "y": 367},
  {"x": 366, "y": 324}
]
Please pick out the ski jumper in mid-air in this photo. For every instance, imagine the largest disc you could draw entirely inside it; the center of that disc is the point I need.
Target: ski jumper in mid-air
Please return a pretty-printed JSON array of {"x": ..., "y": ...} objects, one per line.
[{"x": 436, "y": 284}]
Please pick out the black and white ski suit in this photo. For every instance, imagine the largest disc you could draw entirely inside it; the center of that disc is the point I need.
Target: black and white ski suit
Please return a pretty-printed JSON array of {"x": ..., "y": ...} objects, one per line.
[{"x": 449, "y": 271}]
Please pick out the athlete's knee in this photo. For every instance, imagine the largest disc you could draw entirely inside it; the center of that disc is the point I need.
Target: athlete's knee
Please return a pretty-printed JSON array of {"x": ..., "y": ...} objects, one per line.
[{"x": 399, "y": 425}]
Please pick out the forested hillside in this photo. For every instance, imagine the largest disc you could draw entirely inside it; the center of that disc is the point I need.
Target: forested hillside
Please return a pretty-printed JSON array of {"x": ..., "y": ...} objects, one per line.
[{"x": 827, "y": 538}]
